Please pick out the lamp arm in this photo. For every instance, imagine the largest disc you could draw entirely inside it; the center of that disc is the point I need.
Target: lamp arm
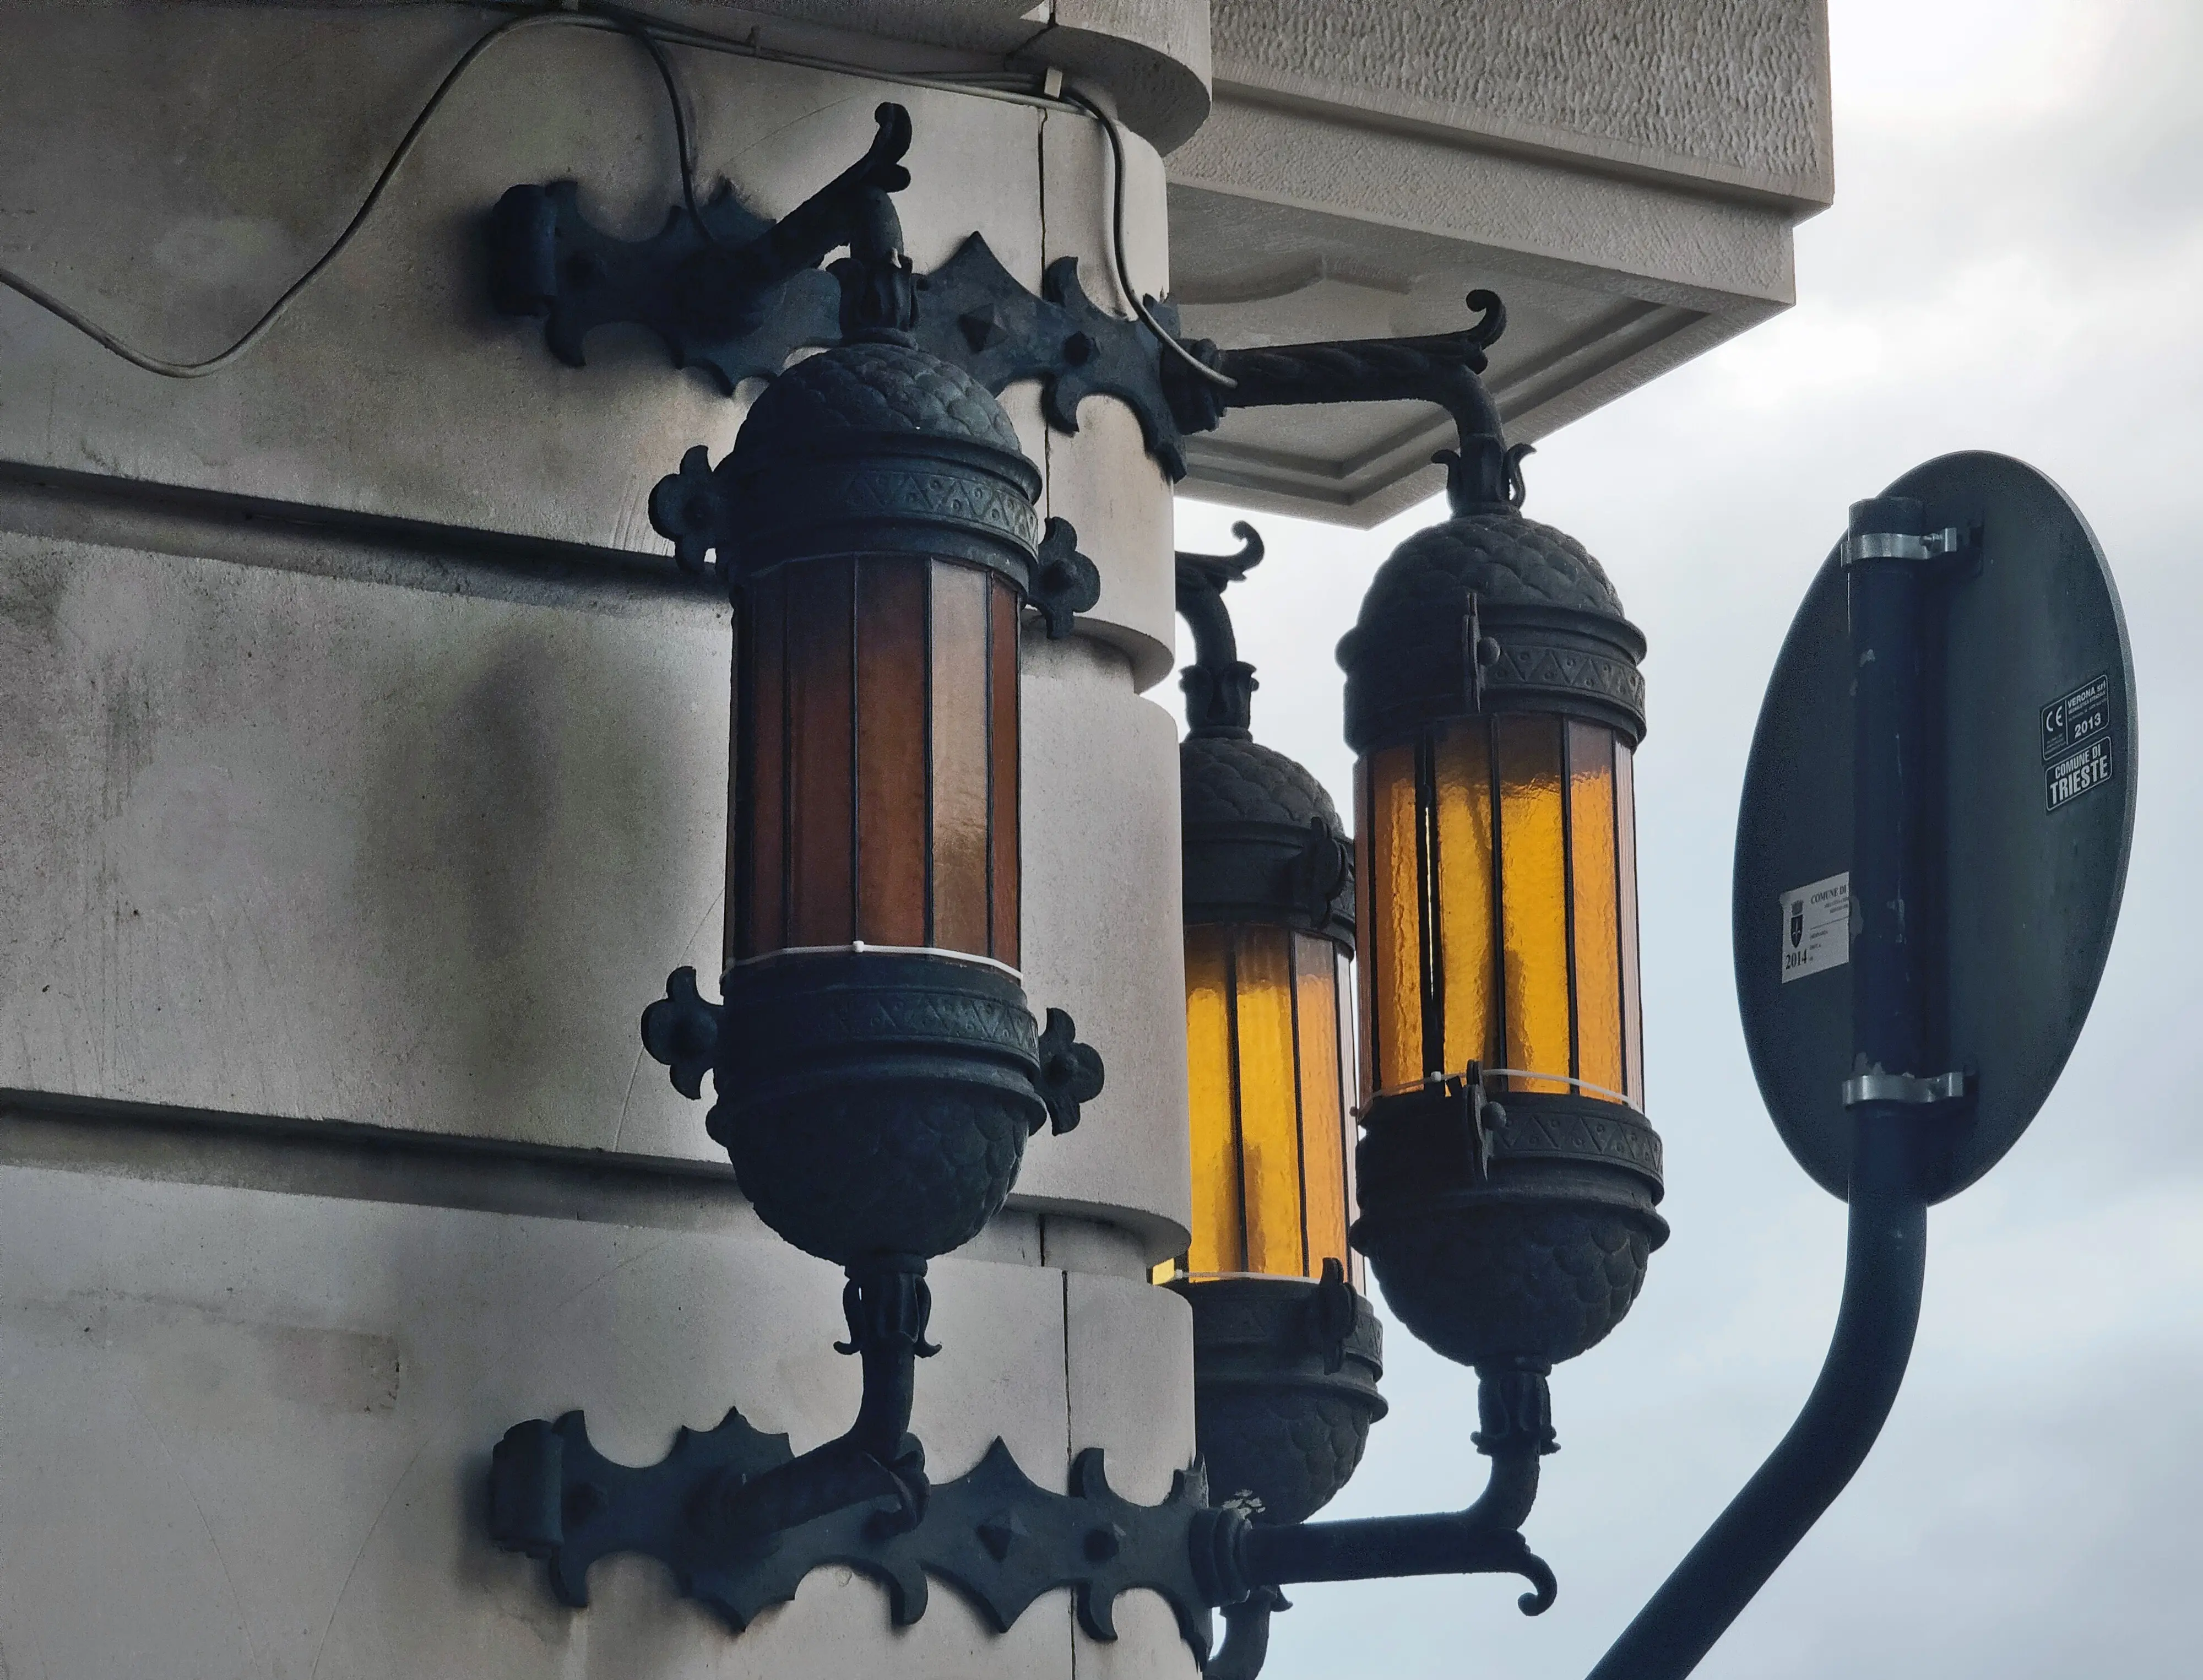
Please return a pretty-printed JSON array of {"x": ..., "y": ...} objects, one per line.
[
  {"x": 1201, "y": 606},
  {"x": 1444, "y": 368},
  {"x": 1514, "y": 1409},
  {"x": 1220, "y": 686},
  {"x": 1441, "y": 368},
  {"x": 1883, "y": 1272},
  {"x": 1484, "y": 1539},
  {"x": 886, "y": 1305},
  {"x": 854, "y": 209}
]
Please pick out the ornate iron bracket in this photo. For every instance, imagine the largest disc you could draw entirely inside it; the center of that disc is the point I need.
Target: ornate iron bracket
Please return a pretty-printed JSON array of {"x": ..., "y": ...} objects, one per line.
[
  {"x": 716, "y": 294},
  {"x": 974, "y": 313},
  {"x": 725, "y": 290},
  {"x": 993, "y": 1535},
  {"x": 996, "y": 1537},
  {"x": 731, "y": 293}
]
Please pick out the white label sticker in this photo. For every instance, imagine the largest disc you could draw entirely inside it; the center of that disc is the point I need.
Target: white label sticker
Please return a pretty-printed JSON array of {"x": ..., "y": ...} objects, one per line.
[{"x": 1816, "y": 927}]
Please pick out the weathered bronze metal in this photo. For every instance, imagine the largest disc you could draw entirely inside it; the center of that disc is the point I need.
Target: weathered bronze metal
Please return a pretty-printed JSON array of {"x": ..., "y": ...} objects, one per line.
[{"x": 876, "y": 1101}]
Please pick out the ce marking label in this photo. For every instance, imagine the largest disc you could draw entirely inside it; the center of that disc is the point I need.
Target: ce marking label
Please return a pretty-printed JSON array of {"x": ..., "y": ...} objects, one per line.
[{"x": 2073, "y": 720}]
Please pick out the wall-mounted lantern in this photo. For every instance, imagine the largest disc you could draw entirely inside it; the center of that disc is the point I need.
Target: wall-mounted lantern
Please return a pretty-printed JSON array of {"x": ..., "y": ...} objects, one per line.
[
  {"x": 878, "y": 1072},
  {"x": 1508, "y": 1176},
  {"x": 878, "y": 1069},
  {"x": 1287, "y": 1352},
  {"x": 1269, "y": 940}
]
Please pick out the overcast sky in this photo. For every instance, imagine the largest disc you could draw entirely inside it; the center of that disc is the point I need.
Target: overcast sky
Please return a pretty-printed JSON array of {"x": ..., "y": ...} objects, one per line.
[{"x": 2012, "y": 263}]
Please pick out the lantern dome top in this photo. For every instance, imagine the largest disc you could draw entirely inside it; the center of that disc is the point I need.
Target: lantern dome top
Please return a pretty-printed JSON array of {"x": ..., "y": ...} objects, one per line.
[
  {"x": 1262, "y": 841},
  {"x": 1498, "y": 555},
  {"x": 1224, "y": 780},
  {"x": 872, "y": 390},
  {"x": 874, "y": 447},
  {"x": 1488, "y": 610}
]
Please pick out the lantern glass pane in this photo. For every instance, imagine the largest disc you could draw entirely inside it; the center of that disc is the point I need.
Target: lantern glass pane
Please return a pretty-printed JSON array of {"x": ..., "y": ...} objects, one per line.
[
  {"x": 1462, "y": 898},
  {"x": 1533, "y": 901},
  {"x": 1498, "y": 923},
  {"x": 1219, "y": 1238},
  {"x": 1595, "y": 908},
  {"x": 1269, "y": 1099},
  {"x": 1273, "y": 1190},
  {"x": 1324, "y": 1118},
  {"x": 758, "y": 812},
  {"x": 1391, "y": 947},
  {"x": 960, "y": 759},
  {"x": 875, "y": 789},
  {"x": 821, "y": 735},
  {"x": 1365, "y": 920},
  {"x": 1002, "y": 794},
  {"x": 891, "y": 709},
  {"x": 1347, "y": 1084},
  {"x": 1632, "y": 1016}
]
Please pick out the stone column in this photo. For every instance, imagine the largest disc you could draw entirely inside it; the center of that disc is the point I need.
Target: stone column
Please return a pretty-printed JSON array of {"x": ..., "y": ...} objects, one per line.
[{"x": 362, "y": 772}]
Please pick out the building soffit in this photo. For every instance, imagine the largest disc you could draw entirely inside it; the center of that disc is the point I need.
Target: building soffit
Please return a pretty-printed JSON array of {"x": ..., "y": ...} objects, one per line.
[{"x": 1626, "y": 177}]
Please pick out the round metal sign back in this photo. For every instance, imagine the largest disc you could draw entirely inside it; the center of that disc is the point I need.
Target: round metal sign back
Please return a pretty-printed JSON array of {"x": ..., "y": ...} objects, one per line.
[{"x": 2030, "y": 818}]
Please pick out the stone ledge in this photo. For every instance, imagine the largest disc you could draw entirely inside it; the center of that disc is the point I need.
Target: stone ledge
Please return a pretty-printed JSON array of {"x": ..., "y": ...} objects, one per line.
[{"x": 353, "y": 1162}]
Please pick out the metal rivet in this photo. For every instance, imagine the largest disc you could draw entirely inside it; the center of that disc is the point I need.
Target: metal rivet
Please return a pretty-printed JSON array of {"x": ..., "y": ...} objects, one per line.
[{"x": 999, "y": 1532}]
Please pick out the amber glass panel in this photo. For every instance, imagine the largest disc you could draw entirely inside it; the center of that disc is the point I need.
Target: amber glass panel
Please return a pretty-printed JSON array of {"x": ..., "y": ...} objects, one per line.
[
  {"x": 757, "y": 831},
  {"x": 891, "y": 711},
  {"x": 1391, "y": 954},
  {"x": 1533, "y": 900},
  {"x": 1596, "y": 923},
  {"x": 1365, "y": 939},
  {"x": 1462, "y": 779},
  {"x": 1002, "y": 801},
  {"x": 1269, "y": 1099},
  {"x": 1625, "y": 855},
  {"x": 1324, "y": 1143},
  {"x": 1219, "y": 1236},
  {"x": 1349, "y": 1084},
  {"x": 960, "y": 759},
  {"x": 821, "y": 605},
  {"x": 1266, "y": 1028}
]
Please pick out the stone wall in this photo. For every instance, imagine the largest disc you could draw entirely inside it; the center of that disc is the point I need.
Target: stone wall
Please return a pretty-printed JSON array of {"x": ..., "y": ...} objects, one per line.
[{"x": 362, "y": 772}]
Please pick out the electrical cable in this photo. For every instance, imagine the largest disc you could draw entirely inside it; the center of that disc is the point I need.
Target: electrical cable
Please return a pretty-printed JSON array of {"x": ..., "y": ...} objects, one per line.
[
  {"x": 976, "y": 82},
  {"x": 654, "y": 34},
  {"x": 683, "y": 147},
  {"x": 1169, "y": 339}
]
